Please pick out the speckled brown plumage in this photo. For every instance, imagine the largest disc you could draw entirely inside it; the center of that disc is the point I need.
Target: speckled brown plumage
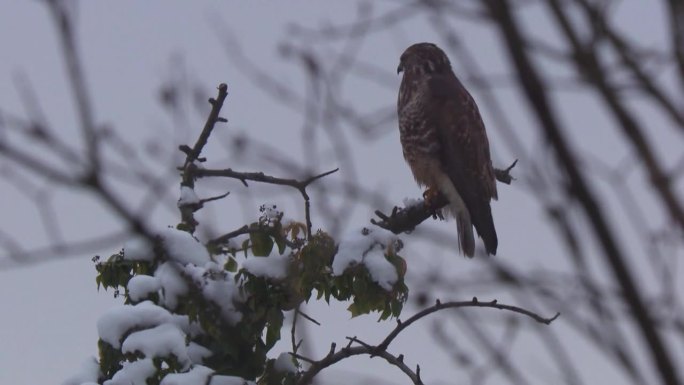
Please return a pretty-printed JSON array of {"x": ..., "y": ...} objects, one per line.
[{"x": 444, "y": 142}]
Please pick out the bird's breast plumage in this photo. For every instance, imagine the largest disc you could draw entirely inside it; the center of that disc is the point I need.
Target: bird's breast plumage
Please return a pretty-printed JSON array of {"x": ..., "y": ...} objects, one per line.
[{"x": 417, "y": 131}]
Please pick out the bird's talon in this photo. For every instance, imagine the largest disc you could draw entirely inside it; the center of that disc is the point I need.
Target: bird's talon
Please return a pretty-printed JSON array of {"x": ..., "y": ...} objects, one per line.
[{"x": 430, "y": 195}]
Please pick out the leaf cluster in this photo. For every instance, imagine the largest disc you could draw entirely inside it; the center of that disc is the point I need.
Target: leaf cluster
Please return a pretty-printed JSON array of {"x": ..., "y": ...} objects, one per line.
[{"x": 241, "y": 349}]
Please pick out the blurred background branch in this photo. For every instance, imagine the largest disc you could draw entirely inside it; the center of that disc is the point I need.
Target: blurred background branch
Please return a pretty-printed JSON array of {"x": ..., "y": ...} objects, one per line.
[{"x": 592, "y": 228}]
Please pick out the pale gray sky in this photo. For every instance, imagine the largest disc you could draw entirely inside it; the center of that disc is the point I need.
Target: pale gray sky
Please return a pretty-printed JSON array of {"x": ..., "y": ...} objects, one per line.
[{"x": 50, "y": 307}]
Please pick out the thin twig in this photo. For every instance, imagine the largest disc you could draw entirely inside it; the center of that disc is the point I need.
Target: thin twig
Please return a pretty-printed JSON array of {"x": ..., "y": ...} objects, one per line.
[
  {"x": 300, "y": 185},
  {"x": 380, "y": 350},
  {"x": 401, "y": 325},
  {"x": 222, "y": 239}
]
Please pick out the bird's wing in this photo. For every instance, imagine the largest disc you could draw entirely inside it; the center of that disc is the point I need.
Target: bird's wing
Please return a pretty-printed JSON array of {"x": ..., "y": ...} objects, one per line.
[{"x": 465, "y": 151}]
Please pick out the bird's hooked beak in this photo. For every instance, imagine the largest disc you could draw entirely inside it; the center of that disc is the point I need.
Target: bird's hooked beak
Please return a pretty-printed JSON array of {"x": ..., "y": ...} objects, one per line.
[{"x": 400, "y": 69}]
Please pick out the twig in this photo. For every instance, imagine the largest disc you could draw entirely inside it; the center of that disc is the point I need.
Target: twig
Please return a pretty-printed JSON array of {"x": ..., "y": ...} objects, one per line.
[
  {"x": 407, "y": 218},
  {"x": 214, "y": 198},
  {"x": 300, "y": 185},
  {"x": 249, "y": 230},
  {"x": 189, "y": 169},
  {"x": 401, "y": 325},
  {"x": 295, "y": 345},
  {"x": 216, "y": 105},
  {"x": 308, "y": 317},
  {"x": 380, "y": 350},
  {"x": 346, "y": 352}
]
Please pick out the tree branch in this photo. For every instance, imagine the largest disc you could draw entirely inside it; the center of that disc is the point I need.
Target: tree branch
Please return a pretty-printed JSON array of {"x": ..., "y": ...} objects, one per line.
[
  {"x": 300, "y": 185},
  {"x": 193, "y": 154},
  {"x": 532, "y": 85},
  {"x": 407, "y": 218},
  {"x": 380, "y": 350}
]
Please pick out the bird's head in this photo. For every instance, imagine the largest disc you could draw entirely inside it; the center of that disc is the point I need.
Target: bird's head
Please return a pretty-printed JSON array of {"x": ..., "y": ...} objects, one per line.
[{"x": 423, "y": 58}]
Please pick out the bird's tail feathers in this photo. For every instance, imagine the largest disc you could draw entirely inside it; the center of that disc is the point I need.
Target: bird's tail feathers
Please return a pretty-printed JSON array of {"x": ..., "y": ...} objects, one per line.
[
  {"x": 484, "y": 224},
  {"x": 458, "y": 209}
]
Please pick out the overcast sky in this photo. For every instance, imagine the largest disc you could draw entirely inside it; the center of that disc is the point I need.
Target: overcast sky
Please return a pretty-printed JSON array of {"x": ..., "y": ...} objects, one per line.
[{"x": 130, "y": 49}]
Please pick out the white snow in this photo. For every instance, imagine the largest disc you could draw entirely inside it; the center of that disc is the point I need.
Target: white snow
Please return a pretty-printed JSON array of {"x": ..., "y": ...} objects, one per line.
[
  {"x": 182, "y": 247},
  {"x": 171, "y": 283},
  {"x": 229, "y": 380},
  {"x": 408, "y": 202},
  {"x": 183, "y": 322},
  {"x": 381, "y": 270},
  {"x": 133, "y": 373},
  {"x": 117, "y": 321},
  {"x": 161, "y": 341},
  {"x": 197, "y": 352},
  {"x": 141, "y": 286},
  {"x": 197, "y": 375},
  {"x": 367, "y": 250},
  {"x": 269, "y": 212},
  {"x": 274, "y": 266},
  {"x": 88, "y": 374},
  {"x": 187, "y": 196},
  {"x": 223, "y": 293},
  {"x": 219, "y": 287},
  {"x": 138, "y": 249},
  {"x": 284, "y": 363}
]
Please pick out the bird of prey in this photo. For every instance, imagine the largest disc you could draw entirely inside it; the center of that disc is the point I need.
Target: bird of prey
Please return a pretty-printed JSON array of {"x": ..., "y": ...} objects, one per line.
[{"x": 444, "y": 142}]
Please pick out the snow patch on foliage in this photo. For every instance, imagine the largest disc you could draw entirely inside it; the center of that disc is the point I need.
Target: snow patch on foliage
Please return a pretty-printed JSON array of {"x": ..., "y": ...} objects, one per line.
[
  {"x": 274, "y": 266},
  {"x": 229, "y": 380},
  {"x": 118, "y": 321},
  {"x": 269, "y": 213},
  {"x": 172, "y": 284},
  {"x": 199, "y": 375},
  {"x": 141, "y": 286},
  {"x": 219, "y": 287},
  {"x": 165, "y": 340},
  {"x": 133, "y": 373},
  {"x": 224, "y": 293},
  {"x": 284, "y": 364},
  {"x": 197, "y": 352},
  {"x": 367, "y": 247},
  {"x": 381, "y": 270},
  {"x": 182, "y": 247}
]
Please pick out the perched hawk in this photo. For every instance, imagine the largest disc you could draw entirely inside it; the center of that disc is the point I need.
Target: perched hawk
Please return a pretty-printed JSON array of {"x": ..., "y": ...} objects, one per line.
[{"x": 445, "y": 143}]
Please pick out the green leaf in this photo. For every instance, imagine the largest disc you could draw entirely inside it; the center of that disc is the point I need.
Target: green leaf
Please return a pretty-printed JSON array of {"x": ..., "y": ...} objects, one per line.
[
  {"x": 386, "y": 313},
  {"x": 262, "y": 244},
  {"x": 245, "y": 245},
  {"x": 231, "y": 265},
  {"x": 280, "y": 241},
  {"x": 354, "y": 309},
  {"x": 275, "y": 323}
]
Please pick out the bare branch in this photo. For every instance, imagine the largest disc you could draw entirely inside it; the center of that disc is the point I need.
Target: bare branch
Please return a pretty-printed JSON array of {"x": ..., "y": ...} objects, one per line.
[
  {"x": 407, "y": 218},
  {"x": 472, "y": 303},
  {"x": 65, "y": 28},
  {"x": 300, "y": 185},
  {"x": 189, "y": 169},
  {"x": 380, "y": 350},
  {"x": 534, "y": 89}
]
